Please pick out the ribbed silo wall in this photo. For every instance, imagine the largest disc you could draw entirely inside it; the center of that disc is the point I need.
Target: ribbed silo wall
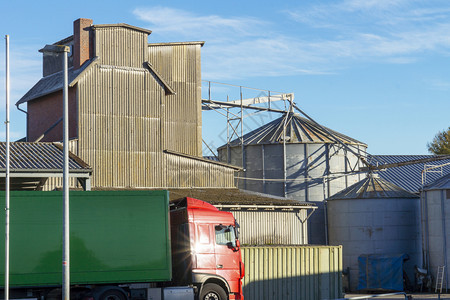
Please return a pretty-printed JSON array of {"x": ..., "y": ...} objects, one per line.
[
  {"x": 314, "y": 172},
  {"x": 388, "y": 226},
  {"x": 436, "y": 217}
]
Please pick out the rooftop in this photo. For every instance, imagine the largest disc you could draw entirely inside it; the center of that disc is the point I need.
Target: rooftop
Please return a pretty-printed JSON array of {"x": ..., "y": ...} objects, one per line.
[
  {"x": 372, "y": 187},
  {"x": 409, "y": 177},
  {"x": 298, "y": 130},
  {"x": 32, "y": 163}
]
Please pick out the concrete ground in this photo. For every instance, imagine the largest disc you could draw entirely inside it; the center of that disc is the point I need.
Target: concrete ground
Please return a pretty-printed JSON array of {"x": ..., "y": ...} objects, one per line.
[{"x": 414, "y": 296}]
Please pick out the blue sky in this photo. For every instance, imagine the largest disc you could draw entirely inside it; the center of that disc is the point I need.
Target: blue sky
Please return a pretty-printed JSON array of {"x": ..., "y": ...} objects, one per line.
[{"x": 375, "y": 70}]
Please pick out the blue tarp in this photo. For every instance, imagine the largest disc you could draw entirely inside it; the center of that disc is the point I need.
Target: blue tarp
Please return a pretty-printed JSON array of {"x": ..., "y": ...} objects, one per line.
[{"x": 381, "y": 272}]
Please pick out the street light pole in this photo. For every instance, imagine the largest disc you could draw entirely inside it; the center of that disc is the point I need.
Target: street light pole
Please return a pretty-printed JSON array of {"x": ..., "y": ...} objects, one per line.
[{"x": 55, "y": 50}]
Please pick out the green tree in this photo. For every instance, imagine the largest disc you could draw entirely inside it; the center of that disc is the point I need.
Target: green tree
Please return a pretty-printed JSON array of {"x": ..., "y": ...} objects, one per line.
[{"x": 441, "y": 143}]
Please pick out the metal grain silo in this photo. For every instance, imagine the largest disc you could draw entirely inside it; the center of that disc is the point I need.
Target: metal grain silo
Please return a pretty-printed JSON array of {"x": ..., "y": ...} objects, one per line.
[
  {"x": 436, "y": 219},
  {"x": 374, "y": 216},
  {"x": 296, "y": 158}
]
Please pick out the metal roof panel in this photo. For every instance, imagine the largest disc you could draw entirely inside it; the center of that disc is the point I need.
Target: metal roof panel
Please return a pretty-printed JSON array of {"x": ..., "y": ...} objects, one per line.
[
  {"x": 409, "y": 177},
  {"x": 25, "y": 156},
  {"x": 298, "y": 130}
]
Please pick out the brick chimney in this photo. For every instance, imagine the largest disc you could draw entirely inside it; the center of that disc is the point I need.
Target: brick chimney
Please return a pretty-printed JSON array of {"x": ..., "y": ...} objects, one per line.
[{"x": 82, "y": 42}]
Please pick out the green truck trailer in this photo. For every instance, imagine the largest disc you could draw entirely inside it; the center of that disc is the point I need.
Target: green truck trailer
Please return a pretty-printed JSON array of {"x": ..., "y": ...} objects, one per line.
[{"x": 118, "y": 240}]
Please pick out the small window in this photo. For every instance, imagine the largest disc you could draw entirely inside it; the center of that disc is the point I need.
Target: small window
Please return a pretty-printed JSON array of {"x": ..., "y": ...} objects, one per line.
[{"x": 225, "y": 235}]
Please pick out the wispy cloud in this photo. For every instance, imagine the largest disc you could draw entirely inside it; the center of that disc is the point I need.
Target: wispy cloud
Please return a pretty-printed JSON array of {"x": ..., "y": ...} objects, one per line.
[
  {"x": 236, "y": 47},
  {"x": 329, "y": 36},
  {"x": 170, "y": 21},
  {"x": 25, "y": 68}
]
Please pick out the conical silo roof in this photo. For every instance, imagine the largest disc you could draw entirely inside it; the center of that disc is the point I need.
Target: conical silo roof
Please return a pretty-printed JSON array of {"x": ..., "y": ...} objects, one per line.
[
  {"x": 372, "y": 187},
  {"x": 442, "y": 183},
  {"x": 298, "y": 130}
]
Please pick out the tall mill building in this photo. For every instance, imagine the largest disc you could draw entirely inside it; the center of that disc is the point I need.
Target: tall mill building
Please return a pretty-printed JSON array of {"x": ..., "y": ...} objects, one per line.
[{"x": 134, "y": 109}]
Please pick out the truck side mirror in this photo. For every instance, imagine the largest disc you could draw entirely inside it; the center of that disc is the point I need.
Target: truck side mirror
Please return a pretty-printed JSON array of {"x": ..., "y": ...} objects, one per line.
[{"x": 234, "y": 246}]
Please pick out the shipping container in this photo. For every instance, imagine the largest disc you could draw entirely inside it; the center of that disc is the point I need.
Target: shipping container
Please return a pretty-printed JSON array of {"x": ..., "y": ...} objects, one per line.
[{"x": 292, "y": 272}]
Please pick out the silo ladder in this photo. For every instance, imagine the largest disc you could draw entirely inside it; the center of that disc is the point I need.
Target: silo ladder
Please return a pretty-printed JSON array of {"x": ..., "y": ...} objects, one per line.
[{"x": 439, "y": 279}]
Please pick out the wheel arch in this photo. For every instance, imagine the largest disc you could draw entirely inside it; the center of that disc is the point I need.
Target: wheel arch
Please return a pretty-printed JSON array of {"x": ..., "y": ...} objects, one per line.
[{"x": 200, "y": 279}]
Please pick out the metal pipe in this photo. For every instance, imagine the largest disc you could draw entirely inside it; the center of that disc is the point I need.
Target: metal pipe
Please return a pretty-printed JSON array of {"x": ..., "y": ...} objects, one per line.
[
  {"x": 228, "y": 134},
  {"x": 230, "y": 104},
  {"x": 422, "y": 229},
  {"x": 427, "y": 233},
  {"x": 7, "y": 179},
  {"x": 24, "y": 111},
  {"x": 284, "y": 155},
  {"x": 48, "y": 130},
  {"x": 444, "y": 235},
  {"x": 244, "y": 162},
  {"x": 263, "y": 169},
  {"x": 240, "y": 86}
]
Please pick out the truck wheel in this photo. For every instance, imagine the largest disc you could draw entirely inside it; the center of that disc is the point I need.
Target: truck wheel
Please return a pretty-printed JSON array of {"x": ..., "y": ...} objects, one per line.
[
  {"x": 212, "y": 291},
  {"x": 112, "y": 295}
]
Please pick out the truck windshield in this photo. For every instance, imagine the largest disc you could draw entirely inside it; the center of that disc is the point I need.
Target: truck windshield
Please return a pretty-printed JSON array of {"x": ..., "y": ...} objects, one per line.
[{"x": 225, "y": 235}]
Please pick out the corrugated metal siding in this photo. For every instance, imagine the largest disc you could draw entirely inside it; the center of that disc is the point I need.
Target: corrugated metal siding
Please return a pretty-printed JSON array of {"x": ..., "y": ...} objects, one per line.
[
  {"x": 186, "y": 172},
  {"x": 53, "y": 183},
  {"x": 180, "y": 66},
  {"x": 119, "y": 46},
  {"x": 289, "y": 272},
  {"x": 409, "y": 177},
  {"x": 122, "y": 136},
  {"x": 120, "y": 127},
  {"x": 272, "y": 227}
]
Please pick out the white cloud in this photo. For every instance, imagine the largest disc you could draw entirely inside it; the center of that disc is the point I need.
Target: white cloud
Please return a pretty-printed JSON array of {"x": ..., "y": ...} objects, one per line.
[
  {"x": 25, "y": 70},
  {"x": 329, "y": 37},
  {"x": 169, "y": 21}
]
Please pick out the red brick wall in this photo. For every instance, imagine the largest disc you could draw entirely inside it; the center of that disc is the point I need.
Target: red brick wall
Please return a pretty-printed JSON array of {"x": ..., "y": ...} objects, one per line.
[
  {"x": 83, "y": 45},
  {"x": 45, "y": 111}
]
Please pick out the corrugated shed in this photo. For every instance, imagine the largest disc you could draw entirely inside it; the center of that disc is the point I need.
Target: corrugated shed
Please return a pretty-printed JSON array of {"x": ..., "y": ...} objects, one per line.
[
  {"x": 373, "y": 187},
  {"x": 298, "y": 130},
  {"x": 272, "y": 226},
  {"x": 409, "y": 177},
  {"x": 263, "y": 219},
  {"x": 292, "y": 272},
  {"x": 37, "y": 165},
  {"x": 41, "y": 157}
]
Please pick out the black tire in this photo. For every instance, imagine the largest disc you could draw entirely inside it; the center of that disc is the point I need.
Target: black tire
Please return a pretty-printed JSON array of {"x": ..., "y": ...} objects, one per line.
[
  {"x": 112, "y": 295},
  {"x": 212, "y": 291}
]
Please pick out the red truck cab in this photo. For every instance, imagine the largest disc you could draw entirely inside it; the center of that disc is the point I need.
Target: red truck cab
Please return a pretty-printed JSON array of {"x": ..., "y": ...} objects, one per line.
[{"x": 205, "y": 250}]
